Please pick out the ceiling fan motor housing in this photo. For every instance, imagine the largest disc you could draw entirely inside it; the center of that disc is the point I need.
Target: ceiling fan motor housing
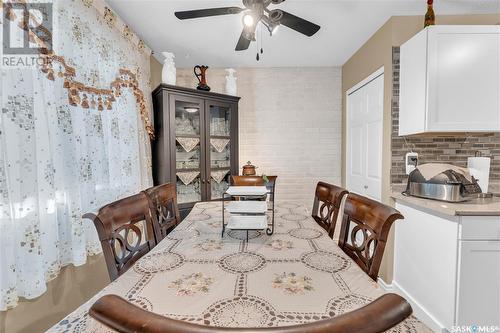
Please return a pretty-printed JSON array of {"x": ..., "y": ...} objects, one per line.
[{"x": 256, "y": 12}]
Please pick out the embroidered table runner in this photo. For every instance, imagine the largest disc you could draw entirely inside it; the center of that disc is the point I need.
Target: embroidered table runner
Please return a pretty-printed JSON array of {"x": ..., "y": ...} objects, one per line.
[{"x": 294, "y": 276}]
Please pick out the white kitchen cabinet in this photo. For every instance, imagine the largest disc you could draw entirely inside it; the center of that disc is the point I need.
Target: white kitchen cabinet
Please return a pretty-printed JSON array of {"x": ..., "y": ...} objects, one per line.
[
  {"x": 448, "y": 267},
  {"x": 450, "y": 80},
  {"x": 479, "y": 283}
]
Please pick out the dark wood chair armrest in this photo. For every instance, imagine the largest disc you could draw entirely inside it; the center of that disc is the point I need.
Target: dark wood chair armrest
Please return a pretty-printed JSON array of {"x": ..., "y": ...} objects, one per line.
[{"x": 378, "y": 316}]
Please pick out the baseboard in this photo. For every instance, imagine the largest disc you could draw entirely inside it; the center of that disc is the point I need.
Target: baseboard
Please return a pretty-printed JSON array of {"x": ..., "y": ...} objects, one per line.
[
  {"x": 418, "y": 310},
  {"x": 386, "y": 286}
]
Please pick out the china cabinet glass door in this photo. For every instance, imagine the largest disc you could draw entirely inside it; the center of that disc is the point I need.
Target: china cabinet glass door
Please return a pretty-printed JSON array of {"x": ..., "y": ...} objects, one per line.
[
  {"x": 219, "y": 148},
  {"x": 189, "y": 149}
]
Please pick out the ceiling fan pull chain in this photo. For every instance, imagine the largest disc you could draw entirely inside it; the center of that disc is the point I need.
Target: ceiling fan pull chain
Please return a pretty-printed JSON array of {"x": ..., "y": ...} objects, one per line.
[
  {"x": 258, "y": 32},
  {"x": 261, "y": 43}
]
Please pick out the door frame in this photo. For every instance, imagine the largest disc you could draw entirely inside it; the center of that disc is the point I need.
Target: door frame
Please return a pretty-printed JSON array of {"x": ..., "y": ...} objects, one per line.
[{"x": 350, "y": 91}]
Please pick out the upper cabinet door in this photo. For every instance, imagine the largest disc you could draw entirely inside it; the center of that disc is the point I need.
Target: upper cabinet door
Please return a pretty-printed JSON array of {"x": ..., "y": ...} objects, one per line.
[
  {"x": 220, "y": 147},
  {"x": 413, "y": 85},
  {"x": 464, "y": 78},
  {"x": 187, "y": 157},
  {"x": 450, "y": 80}
]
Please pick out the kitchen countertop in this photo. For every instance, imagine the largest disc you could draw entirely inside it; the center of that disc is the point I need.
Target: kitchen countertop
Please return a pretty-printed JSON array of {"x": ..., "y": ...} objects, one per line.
[{"x": 475, "y": 207}]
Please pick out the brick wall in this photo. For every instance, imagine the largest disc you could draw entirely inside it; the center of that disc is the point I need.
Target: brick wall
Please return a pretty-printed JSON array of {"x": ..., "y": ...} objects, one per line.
[
  {"x": 290, "y": 124},
  {"x": 453, "y": 150}
]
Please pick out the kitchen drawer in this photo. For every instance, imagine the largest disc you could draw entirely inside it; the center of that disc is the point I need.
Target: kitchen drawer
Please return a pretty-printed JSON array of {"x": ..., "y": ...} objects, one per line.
[{"x": 480, "y": 228}]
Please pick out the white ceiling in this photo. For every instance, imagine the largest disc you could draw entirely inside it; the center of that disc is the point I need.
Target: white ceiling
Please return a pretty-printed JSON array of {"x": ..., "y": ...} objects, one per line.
[{"x": 345, "y": 26}]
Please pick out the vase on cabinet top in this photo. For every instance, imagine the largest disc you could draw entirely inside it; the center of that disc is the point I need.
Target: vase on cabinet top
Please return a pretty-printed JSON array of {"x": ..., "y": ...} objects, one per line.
[
  {"x": 169, "y": 72},
  {"x": 231, "y": 87}
]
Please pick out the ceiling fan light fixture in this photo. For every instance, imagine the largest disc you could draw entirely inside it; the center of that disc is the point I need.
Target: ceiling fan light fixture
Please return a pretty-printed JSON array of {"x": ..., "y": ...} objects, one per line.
[{"x": 248, "y": 20}]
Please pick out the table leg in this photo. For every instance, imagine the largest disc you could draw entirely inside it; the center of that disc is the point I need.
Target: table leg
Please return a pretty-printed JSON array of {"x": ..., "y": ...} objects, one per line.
[{"x": 223, "y": 224}]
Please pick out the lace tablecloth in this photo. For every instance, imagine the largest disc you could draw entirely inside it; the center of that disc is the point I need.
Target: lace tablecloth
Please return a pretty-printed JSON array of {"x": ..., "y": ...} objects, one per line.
[{"x": 295, "y": 276}]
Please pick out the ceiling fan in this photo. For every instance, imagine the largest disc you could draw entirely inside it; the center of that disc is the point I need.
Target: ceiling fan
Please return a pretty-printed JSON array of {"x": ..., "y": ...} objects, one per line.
[{"x": 256, "y": 11}]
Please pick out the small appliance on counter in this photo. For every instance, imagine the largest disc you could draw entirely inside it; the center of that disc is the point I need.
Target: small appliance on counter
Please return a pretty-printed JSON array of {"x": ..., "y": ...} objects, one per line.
[
  {"x": 479, "y": 167},
  {"x": 443, "y": 182}
]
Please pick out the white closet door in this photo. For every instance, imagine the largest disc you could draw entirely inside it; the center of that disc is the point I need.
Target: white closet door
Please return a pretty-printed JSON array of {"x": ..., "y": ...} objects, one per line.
[{"x": 364, "y": 138}]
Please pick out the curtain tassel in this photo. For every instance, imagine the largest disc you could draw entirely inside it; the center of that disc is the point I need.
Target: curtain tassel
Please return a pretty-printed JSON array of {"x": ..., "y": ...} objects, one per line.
[
  {"x": 71, "y": 100},
  {"x": 100, "y": 107},
  {"x": 10, "y": 15},
  {"x": 50, "y": 74},
  {"x": 85, "y": 102},
  {"x": 109, "y": 104}
]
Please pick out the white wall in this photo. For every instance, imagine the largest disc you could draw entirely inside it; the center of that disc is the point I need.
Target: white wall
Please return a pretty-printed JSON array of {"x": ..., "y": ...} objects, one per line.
[{"x": 290, "y": 124}]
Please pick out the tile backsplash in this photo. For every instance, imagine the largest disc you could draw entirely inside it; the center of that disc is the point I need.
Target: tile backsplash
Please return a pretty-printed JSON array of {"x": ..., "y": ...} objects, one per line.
[{"x": 438, "y": 149}]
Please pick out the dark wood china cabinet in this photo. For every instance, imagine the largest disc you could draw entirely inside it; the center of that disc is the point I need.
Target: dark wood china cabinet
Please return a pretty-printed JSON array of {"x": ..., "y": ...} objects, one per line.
[{"x": 196, "y": 142}]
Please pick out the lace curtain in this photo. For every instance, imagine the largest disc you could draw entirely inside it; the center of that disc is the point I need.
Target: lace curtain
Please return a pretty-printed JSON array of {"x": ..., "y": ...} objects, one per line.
[{"x": 59, "y": 161}]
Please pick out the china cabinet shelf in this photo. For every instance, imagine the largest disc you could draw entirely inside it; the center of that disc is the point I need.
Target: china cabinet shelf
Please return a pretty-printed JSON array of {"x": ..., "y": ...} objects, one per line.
[
  {"x": 187, "y": 136},
  {"x": 181, "y": 114},
  {"x": 220, "y": 137},
  {"x": 219, "y": 169}
]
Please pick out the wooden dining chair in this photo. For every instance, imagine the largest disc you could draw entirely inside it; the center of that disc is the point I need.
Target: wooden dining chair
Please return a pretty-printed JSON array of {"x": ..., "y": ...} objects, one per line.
[
  {"x": 365, "y": 228},
  {"x": 125, "y": 229},
  {"x": 164, "y": 210},
  {"x": 327, "y": 206},
  {"x": 378, "y": 316}
]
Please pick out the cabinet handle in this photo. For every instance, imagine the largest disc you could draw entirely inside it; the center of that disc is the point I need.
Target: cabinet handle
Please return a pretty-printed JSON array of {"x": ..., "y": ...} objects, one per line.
[
  {"x": 203, "y": 181},
  {"x": 208, "y": 181},
  {"x": 366, "y": 187}
]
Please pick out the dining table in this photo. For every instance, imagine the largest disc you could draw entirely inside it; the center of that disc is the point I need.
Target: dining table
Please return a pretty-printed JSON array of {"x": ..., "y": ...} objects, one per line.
[{"x": 294, "y": 276}]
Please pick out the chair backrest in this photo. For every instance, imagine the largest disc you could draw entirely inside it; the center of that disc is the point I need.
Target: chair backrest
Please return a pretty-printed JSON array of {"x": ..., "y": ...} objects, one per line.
[
  {"x": 364, "y": 231},
  {"x": 378, "y": 316},
  {"x": 125, "y": 230},
  {"x": 256, "y": 181},
  {"x": 164, "y": 210},
  {"x": 327, "y": 205}
]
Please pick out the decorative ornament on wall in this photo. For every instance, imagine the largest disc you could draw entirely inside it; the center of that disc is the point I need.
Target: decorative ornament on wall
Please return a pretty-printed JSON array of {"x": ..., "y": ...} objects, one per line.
[
  {"x": 169, "y": 72},
  {"x": 430, "y": 18},
  {"x": 231, "y": 87},
  {"x": 200, "y": 71}
]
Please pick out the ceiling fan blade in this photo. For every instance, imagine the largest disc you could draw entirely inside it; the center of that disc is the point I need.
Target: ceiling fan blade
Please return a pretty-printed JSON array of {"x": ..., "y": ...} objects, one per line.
[
  {"x": 299, "y": 24},
  {"x": 243, "y": 42},
  {"x": 191, "y": 14}
]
